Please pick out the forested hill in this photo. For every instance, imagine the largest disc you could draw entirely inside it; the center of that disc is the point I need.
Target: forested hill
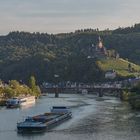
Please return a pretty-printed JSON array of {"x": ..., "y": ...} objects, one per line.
[{"x": 23, "y": 54}]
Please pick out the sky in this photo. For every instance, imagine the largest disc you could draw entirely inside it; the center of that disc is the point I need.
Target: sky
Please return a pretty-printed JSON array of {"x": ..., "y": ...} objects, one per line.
[{"x": 57, "y": 16}]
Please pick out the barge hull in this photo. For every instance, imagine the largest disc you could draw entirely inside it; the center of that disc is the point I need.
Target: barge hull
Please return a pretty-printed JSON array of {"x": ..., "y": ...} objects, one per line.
[{"x": 47, "y": 125}]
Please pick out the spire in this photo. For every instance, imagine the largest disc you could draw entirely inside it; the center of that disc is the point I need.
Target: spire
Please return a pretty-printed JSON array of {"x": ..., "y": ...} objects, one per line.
[{"x": 100, "y": 45}]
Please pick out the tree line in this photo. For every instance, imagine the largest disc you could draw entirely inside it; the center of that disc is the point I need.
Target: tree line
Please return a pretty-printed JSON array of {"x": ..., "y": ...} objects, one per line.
[
  {"x": 23, "y": 54},
  {"x": 15, "y": 88}
]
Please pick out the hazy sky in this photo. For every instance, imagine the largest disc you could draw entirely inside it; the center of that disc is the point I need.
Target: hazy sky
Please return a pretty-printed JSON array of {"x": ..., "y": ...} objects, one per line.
[{"x": 55, "y": 16}]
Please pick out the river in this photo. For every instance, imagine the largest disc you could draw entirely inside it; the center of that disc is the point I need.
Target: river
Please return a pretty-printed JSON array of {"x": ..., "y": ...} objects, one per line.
[{"x": 94, "y": 118}]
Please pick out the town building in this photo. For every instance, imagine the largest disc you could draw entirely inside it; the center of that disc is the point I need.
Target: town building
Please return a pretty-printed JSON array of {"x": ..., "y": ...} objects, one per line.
[{"x": 110, "y": 74}]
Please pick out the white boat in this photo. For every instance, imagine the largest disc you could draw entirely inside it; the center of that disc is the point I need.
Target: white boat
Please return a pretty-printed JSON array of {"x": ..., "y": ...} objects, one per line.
[
  {"x": 20, "y": 101},
  {"x": 27, "y": 100}
]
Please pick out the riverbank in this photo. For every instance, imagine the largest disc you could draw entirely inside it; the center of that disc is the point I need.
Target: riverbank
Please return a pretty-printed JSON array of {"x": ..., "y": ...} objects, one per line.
[{"x": 132, "y": 98}]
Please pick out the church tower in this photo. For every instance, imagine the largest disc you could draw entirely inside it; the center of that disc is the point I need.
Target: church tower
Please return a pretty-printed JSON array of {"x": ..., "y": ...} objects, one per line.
[
  {"x": 100, "y": 48},
  {"x": 100, "y": 44}
]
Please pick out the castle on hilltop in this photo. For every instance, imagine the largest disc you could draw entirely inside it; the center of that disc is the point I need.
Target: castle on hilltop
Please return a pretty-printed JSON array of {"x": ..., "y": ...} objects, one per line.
[{"x": 98, "y": 51}]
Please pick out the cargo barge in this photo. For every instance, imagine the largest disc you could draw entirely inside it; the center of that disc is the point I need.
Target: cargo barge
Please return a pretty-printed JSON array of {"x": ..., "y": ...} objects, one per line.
[{"x": 44, "y": 122}]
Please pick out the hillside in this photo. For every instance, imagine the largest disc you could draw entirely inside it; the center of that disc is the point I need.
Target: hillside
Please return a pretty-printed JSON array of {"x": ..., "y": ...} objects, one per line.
[
  {"x": 23, "y": 54},
  {"x": 120, "y": 66}
]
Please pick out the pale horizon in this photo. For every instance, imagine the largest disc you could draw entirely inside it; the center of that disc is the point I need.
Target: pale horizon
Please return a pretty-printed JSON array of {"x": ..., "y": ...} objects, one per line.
[{"x": 62, "y": 16}]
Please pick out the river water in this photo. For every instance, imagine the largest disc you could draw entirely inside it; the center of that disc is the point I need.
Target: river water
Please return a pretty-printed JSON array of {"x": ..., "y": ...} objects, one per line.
[{"x": 94, "y": 118}]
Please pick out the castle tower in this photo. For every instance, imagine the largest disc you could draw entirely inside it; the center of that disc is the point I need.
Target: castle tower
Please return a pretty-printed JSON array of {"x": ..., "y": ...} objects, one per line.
[
  {"x": 100, "y": 47},
  {"x": 100, "y": 44}
]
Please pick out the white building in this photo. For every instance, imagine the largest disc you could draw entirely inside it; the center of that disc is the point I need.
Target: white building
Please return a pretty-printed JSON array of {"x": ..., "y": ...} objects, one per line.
[{"x": 111, "y": 74}]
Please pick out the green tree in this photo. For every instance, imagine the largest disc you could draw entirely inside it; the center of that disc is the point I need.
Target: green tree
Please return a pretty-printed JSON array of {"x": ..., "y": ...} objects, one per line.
[
  {"x": 32, "y": 83},
  {"x": 1, "y": 92},
  {"x": 14, "y": 84},
  {"x": 34, "y": 88},
  {"x": 9, "y": 92}
]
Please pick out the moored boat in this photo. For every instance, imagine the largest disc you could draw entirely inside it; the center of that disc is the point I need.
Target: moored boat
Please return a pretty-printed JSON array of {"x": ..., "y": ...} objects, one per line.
[
  {"x": 44, "y": 122},
  {"x": 20, "y": 101},
  {"x": 27, "y": 100}
]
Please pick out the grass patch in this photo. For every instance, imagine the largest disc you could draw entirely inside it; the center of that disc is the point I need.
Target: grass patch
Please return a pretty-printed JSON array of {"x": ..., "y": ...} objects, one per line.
[{"x": 120, "y": 66}]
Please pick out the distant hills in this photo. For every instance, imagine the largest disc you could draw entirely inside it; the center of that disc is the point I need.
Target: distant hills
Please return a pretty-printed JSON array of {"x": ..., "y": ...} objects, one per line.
[{"x": 23, "y": 54}]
